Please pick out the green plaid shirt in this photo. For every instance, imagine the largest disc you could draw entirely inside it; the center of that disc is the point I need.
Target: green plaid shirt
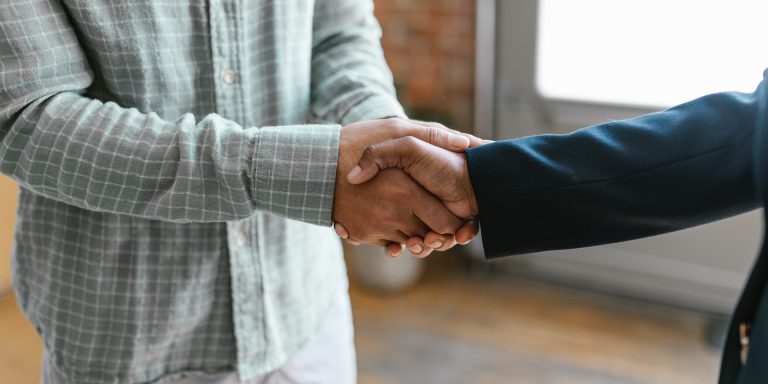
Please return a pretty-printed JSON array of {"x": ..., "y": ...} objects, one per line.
[{"x": 170, "y": 170}]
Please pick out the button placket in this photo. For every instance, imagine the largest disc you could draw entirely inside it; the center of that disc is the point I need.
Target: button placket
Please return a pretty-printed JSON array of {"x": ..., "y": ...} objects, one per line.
[{"x": 245, "y": 264}]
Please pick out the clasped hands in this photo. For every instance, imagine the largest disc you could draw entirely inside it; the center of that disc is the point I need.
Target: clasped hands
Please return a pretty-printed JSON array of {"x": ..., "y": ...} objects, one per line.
[{"x": 425, "y": 201}]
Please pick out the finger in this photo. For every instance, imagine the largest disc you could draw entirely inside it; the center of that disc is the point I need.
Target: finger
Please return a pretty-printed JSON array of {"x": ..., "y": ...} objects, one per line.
[
  {"x": 467, "y": 232},
  {"x": 435, "y": 215},
  {"x": 414, "y": 227},
  {"x": 474, "y": 141},
  {"x": 394, "y": 249},
  {"x": 380, "y": 243},
  {"x": 438, "y": 135},
  {"x": 434, "y": 240},
  {"x": 417, "y": 247},
  {"x": 439, "y": 242},
  {"x": 449, "y": 243},
  {"x": 341, "y": 230},
  {"x": 393, "y": 153},
  {"x": 394, "y": 236}
]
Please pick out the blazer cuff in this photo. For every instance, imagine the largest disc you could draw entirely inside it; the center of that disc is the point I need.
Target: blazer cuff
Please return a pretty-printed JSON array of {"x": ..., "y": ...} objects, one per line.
[{"x": 480, "y": 163}]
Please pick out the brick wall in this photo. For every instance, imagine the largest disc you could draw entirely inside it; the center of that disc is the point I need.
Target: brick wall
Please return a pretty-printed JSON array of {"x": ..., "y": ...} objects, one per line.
[{"x": 430, "y": 46}]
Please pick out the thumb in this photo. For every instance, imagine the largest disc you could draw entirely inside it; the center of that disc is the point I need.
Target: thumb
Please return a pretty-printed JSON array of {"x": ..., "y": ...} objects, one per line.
[{"x": 394, "y": 153}]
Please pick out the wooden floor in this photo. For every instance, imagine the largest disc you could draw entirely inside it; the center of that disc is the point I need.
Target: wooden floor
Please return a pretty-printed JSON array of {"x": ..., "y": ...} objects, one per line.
[
  {"x": 453, "y": 328},
  {"x": 21, "y": 352}
]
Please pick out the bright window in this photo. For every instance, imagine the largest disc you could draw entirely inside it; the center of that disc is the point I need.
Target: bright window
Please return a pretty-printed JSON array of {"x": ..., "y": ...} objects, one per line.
[{"x": 650, "y": 52}]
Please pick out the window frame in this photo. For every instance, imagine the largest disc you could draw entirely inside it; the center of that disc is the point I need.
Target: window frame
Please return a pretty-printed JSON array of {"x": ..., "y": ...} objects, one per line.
[
  {"x": 513, "y": 106},
  {"x": 682, "y": 269}
]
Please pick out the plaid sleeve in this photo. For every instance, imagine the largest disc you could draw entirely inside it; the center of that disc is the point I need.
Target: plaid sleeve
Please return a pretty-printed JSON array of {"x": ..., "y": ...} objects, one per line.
[
  {"x": 103, "y": 157},
  {"x": 350, "y": 78}
]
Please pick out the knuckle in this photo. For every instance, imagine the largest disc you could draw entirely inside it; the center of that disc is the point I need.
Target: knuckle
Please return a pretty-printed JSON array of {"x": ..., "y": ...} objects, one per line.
[
  {"x": 441, "y": 127},
  {"x": 412, "y": 144},
  {"x": 409, "y": 141},
  {"x": 387, "y": 215},
  {"x": 435, "y": 135},
  {"x": 398, "y": 125}
]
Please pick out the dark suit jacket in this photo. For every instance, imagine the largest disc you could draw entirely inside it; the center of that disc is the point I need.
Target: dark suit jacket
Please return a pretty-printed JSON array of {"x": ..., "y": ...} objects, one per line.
[{"x": 692, "y": 164}]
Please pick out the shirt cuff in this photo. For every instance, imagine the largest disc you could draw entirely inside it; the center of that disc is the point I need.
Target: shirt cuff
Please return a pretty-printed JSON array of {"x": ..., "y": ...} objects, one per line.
[
  {"x": 373, "y": 108},
  {"x": 295, "y": 171}
]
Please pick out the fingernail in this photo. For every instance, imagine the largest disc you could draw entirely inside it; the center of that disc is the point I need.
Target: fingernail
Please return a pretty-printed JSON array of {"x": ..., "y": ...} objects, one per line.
[
  {"x": 458, "y": 142},
  {"x": 436, "y": 244},
  {"x": 416, "y": 248},
  {"x": 340, "y": 231},
  {"x": 354, "y": 173}
]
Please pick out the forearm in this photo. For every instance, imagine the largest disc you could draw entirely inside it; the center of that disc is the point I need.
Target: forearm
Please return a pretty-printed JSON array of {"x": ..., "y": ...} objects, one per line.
[
  {"x": 102, "y": 157},
  {"x": 654, "y": 174}
]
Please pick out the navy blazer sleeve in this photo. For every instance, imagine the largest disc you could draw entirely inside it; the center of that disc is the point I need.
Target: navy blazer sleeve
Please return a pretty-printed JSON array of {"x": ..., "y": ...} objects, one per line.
[{"x": 686, "y": 166}]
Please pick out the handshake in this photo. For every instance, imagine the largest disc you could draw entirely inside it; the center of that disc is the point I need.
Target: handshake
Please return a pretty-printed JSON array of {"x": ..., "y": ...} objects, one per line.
[{"x": 425, "y": 202}]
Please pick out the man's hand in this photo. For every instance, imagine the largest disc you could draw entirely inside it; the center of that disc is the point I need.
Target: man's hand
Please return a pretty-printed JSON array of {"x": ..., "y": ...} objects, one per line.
[
  {"x": 393, "y": 208},
  {"x": 441, "y": 172}
]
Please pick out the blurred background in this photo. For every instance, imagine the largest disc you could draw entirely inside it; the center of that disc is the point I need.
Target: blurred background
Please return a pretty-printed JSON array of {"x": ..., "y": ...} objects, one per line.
[{"x": 648, "y": 311}]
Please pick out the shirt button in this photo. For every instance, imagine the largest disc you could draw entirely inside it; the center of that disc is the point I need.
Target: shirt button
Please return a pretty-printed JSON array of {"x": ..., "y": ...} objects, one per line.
[
  {"x": 240, "y": 239},
  {"x": 228, "y": 76}
]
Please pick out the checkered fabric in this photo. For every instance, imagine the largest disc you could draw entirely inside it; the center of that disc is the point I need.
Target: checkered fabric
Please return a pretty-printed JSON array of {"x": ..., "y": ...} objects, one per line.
[{"x": 169, "y": 169}]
